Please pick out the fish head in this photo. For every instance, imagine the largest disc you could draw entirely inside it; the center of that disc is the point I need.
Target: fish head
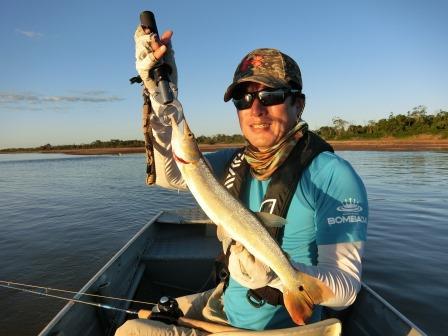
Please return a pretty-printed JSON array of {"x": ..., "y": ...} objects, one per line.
[{"x": 184, "y": 145}]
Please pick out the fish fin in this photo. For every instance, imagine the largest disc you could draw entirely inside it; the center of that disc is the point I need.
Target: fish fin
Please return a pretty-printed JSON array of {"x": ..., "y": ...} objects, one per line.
[
  {"x": 270, "y": 220},
  {"x": 308, "y": 292},
  {"x": 299, "y": 309}
]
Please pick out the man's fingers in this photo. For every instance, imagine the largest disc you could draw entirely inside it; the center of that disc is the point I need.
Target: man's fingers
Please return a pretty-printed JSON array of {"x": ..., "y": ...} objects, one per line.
[
  {"x": 159, "y": 46},
  {"x": 166, "y": 36},
  {"x": 246, "y": 257},
  {"x": 236, "y": 248},
  {"x": 158, "y": 53},
  {"x": 165, "y": 39}
]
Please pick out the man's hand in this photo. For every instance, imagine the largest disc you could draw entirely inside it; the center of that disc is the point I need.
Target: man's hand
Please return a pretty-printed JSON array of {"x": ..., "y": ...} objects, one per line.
[
  {"x": 149, "y": 49},
  {"x": 247, "y": 270},
  {"x": 243, "y": 266},
  {"x": 224, "y": 238},
  {"x": 159, "y": 47}
]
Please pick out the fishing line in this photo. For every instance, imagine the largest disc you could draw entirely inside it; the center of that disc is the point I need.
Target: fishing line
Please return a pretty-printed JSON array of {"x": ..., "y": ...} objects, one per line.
[
  {"x": 100, "y": 305},
  {"x": 12, "y": 285}
]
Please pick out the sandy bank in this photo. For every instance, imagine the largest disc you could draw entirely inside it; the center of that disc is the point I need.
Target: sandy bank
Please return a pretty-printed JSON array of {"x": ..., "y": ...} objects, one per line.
[
  {"x": 130, "y": 150},
  {"x": 354, "y": 145}
]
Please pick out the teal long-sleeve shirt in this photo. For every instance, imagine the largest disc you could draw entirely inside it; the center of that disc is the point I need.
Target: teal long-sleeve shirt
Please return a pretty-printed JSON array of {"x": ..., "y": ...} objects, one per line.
[{"x": 329, "y": 207}]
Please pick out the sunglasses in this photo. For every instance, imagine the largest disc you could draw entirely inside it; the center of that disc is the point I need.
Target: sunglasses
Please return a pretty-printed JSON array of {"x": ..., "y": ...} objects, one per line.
[{"x": 266, "y": 97}]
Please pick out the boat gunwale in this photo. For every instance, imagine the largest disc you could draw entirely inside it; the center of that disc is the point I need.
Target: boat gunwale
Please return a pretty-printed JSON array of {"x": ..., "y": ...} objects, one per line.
[
  {"x": 394, "y": 310},
  {"x": 97, "y": 275}
]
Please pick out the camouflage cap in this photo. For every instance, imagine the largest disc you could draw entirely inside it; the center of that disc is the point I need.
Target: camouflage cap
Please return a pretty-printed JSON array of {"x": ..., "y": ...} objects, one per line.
[{"x": 266, "y": 66}]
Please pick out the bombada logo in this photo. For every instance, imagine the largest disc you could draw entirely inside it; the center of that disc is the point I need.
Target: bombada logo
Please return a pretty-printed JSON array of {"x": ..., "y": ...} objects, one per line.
[
  {"x": 350, "y": 209},
  {"x": 350, "y": 206}
]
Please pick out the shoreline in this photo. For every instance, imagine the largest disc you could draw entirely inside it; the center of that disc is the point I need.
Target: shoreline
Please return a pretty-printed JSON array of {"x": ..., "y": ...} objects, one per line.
[
  {"x": 338, "y": 145},
  {"x": 391, "y": 144}
]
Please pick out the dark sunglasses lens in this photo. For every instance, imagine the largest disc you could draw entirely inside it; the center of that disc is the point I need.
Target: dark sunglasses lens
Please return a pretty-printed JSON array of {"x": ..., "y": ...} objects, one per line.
[
  {"x": 243, "y": 102},
  {"x": 269, "y": 98}
]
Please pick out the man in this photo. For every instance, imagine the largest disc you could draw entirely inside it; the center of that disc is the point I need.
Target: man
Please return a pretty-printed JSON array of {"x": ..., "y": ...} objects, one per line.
[{"x": 285, "y": 170}]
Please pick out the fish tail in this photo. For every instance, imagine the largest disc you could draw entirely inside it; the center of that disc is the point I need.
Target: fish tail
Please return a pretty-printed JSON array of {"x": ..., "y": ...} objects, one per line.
[{"x": 307, "y": 292}]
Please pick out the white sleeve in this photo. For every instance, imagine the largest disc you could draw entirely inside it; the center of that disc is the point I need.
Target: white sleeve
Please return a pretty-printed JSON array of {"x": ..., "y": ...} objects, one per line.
[
  {"x": 339, "y": 268},
  {"x": 144, "y": 58},
  {"x": 167, "y": 174}
]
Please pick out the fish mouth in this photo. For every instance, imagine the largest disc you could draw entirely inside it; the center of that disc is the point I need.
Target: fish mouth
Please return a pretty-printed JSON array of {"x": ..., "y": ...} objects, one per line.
[
  {"x": 177, "y": 133},
  {"x": 186, "y": 128}
]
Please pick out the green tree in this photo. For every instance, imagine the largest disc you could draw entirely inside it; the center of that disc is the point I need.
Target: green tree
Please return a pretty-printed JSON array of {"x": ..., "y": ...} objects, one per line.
[{"x": 339, "y": 125}]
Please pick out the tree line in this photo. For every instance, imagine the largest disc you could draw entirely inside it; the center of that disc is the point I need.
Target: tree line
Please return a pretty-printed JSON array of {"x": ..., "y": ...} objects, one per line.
[
  {"x": 116, "y": 143},
  {"x": 221, "y": 139},
  {"x": 415, "y": 122},
  {"x": 113, "y": 143}
]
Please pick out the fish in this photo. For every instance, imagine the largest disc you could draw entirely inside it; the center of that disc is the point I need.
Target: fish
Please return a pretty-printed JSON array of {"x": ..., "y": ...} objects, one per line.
[{"x": 300, "y": 291}]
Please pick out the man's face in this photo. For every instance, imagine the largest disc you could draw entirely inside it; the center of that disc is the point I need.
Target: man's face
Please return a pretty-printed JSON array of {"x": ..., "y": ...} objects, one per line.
[{"x": 263, "y": 126}]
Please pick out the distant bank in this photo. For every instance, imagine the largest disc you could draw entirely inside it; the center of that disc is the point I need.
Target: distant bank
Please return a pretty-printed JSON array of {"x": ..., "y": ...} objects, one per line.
[{"x": 385, "y": 144}]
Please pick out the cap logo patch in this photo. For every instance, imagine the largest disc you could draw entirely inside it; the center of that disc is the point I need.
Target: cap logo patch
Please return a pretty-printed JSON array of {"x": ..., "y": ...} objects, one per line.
[{"x": 253, "y": 62}]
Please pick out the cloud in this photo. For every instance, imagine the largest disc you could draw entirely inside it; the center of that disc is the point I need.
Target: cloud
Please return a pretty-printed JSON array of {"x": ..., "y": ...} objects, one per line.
[
  {"x": 11, "y": 99},
  {"x": 30, "y": 34}
]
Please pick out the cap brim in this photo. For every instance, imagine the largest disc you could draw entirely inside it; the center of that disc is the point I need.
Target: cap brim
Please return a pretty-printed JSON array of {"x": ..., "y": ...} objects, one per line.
[{"x": 269, "y": 81}]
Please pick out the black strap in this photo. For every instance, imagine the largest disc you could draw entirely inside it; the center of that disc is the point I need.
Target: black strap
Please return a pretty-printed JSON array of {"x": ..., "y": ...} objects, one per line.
[{"x": 263, "y": 295}]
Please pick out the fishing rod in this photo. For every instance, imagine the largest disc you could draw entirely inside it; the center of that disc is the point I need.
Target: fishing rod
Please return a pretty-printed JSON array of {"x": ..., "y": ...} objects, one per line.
[
  {"x": 166, "y": 305},
  {"x": 161, "y": 72},
  {"x": 12, "y": 285},
  {"x": 7, "y": 284}
]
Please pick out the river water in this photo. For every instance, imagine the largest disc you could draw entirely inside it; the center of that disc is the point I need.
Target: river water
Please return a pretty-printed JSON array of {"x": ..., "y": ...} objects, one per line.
[{"x": 62, "y": 217}]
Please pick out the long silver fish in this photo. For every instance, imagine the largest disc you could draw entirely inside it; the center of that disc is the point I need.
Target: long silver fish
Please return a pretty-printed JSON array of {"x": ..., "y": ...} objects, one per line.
[{"x": 300, "y": 291}]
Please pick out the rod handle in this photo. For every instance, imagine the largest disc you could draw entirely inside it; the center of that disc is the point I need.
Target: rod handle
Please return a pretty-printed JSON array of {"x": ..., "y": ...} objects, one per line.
[{"x": 160, "y": 73}]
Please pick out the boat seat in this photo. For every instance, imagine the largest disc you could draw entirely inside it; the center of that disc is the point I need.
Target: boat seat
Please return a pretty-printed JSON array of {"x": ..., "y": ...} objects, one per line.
[{"x": 328, "y": 327}]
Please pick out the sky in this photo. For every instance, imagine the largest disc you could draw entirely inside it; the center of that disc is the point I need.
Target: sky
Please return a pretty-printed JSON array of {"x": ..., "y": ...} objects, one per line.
[{"x": 65, "y": 65}]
